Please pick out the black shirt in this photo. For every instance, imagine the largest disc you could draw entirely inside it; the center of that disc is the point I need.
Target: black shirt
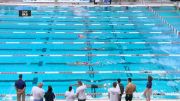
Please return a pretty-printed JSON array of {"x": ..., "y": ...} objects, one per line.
[
  {"x": 49, "y": 96},
  {"x": 20, "y": 84},
  {"x": 149, "y": 85},
  {"x": 121, "y": 88}
]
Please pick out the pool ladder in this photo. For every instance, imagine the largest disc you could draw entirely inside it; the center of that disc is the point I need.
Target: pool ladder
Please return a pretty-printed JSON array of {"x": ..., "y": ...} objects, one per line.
[{"x": 164, "y": 21}]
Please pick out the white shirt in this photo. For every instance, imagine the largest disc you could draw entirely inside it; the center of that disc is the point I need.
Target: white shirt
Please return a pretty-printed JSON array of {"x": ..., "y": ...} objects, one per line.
[
  {"x": 37, "y": 93},
  {"x": 81, "y": 92},
  {"x": 97, "y": 0},
  {"x": 70, "y": 96},
  {"x": 118, "y": 87},
  {"x": 114, "y": 94}
]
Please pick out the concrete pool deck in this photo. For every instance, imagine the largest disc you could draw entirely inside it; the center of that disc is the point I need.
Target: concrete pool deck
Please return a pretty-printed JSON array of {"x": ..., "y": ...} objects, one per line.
[
  {"x": 91, "y": 4},
  {"x": 138, "y": 3},
  {"x": 132, "y": 100}
]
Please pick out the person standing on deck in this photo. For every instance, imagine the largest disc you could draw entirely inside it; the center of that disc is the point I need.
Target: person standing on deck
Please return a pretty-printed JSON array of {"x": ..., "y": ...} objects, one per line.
[
  {"x": 130, "y": 88},
  {"x": 148, "y": 91},
  {"x": 70, "y": 96},
  {"x": 49, "y": 95},
  {"x": 20, "y": 86},
  {"x": 113, "y": 93},
  {"x": 38, "y": 92},
  {"x": 120, "y": 86},
  {"x": 80, "y": 91}
]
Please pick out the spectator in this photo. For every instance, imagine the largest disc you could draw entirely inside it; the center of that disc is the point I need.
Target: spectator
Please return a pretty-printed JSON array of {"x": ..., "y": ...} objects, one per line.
[
  {"x": 49, "y": 95},
  {"x": 38, "y": 92},
  {"x": 113, "y": 93},
  {"x": 106, "y": 1},
  {"x": 120, "y": 86},
  {"x": 130, "y": 88},
  {"x": 70, "y": 96},
  {"x": 20, "y": 86},
  {"x": 148, "y": 91},
  {"x": 120, "y": 2},
  {"x": 80, "y": 92}
]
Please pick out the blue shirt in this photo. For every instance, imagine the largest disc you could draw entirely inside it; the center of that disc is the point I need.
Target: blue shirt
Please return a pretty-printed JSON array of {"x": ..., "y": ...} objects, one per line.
[
  {"x": 20, "y": 84},
  {"x": 149, "y": 85}
]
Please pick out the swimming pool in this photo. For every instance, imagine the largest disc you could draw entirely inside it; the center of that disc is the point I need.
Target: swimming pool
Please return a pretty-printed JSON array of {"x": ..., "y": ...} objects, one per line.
[{"x": 107, "y": 42}]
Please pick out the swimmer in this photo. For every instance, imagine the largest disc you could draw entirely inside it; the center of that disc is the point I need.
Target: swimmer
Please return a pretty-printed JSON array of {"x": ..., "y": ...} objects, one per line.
[
  {"x": 147, "y": 72},
  {"x": 96, "y": 37},
  {"x": 82, "y": 63},
  {"x": 161, "y": 93},
  {"x": 81, "y": 36},
  {"x": 79, "y": 11},
  {"x": 79, "y": 63},
  {"x": 97, "y": 63},
  {"x": 88, "y": 48},
  {"x": 96, "y": 49}
]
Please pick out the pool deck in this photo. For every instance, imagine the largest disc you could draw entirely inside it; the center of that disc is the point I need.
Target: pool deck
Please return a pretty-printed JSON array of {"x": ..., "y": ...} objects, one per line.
[
  {"x": 138, "y": 3},
  {"x": 91, "y": 4},
  {"x": 132, "y": 100}
]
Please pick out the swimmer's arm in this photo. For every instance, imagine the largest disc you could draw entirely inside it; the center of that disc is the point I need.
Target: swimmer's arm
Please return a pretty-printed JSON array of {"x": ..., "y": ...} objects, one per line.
[{"x": 88, "y": 86}]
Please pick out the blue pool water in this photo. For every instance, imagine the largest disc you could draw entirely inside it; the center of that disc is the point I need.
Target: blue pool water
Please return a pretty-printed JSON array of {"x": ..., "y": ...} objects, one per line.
[{"x": 115, "y": 42}]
